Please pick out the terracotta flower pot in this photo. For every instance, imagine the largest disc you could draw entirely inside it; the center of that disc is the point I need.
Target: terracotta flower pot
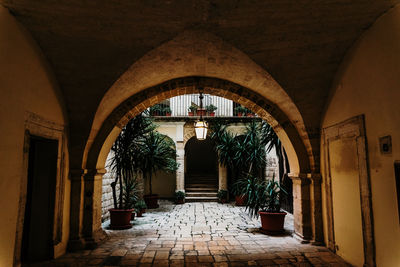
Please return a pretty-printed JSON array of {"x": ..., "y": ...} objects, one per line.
[
  {"x": 120, "y": 219},
  {"x": 272, "y": 222},
  {"x": 151, "y": 201},
  {"x": 212, "y": 114},
  {"x": 223, "y": 200},
  {"x": 180, "y": 201},
  {"x": 241, "y": 200},
  {"x": 139, "y": 213},
  {"x": 168, "y": 114},
  {"x": 239, "y": 114},
  {"x": 191, "y": 113},
  {"x": 250, "y": 115}
]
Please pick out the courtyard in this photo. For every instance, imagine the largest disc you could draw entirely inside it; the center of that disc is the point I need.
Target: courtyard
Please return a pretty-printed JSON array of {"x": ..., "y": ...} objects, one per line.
[{"x": 199, "y": 234}]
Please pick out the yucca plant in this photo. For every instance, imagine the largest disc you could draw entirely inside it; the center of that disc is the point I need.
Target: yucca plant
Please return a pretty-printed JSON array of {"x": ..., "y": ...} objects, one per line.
[
  {"x": 125, "y": 160},
  {"x": 263, "y": 195},
  {"x": 157, "y": 153}
]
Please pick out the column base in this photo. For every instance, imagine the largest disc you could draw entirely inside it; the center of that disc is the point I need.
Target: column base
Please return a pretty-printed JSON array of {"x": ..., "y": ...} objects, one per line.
[
  {"x": 97, "y": 237},
  {"x": 301, "y": 238},
  {"x": 317, "y": 243},
  {"x": 75, "y": 244}
]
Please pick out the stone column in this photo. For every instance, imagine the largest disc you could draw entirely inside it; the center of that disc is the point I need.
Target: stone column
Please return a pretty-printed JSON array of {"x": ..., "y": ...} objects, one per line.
[
  {"x": 222, "y": 177},
  {"x": 180, "y": 172},
  {"x": 301, "y": 207},
  {"x": 76, "y": 242},
  {"x": 316, "y": 209},
  {"x": 92, "y": 231}
]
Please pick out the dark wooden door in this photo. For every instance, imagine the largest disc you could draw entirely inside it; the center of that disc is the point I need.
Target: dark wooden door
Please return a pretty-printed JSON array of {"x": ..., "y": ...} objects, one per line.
[{"x": 37, "y": 239}]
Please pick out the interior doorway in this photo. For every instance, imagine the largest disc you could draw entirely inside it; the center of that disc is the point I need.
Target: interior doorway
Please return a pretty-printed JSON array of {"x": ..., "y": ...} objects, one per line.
[
  {"x": 201, "y": 170},
  {"x": 37, "y": 237}
]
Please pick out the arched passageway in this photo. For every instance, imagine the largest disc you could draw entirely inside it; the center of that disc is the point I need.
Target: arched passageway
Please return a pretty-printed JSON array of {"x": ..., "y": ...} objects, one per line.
[{"x": 307, "y": 223}]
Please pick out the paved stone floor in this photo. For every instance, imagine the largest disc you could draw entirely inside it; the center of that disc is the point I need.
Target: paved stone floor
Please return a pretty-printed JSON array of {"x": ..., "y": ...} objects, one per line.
[{"x": 199, "y": 234}]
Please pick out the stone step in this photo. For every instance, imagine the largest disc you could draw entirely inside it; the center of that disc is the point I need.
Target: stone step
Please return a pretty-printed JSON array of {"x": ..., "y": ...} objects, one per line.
[
  {"x": 201, "y": 189},
  {"x": 201, "y": 199},
  {"x": 200, "y": 185},
  {"x": 201, "y": 194}
]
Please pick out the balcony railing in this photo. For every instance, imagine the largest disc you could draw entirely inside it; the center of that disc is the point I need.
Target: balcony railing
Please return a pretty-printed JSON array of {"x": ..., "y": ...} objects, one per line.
[{"x": 188, "y": 105}]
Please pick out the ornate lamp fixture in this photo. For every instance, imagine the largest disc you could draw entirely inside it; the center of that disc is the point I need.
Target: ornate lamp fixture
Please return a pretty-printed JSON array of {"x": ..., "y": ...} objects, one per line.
[{"x": 201, "y": 126}]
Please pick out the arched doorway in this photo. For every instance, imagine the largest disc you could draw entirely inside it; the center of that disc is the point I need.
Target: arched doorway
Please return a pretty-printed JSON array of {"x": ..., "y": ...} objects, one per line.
[{"x": 201, "y": 170}]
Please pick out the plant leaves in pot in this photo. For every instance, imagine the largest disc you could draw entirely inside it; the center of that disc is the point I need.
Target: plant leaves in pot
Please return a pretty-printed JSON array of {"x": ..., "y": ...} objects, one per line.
[{"x": 263, "y": 200}]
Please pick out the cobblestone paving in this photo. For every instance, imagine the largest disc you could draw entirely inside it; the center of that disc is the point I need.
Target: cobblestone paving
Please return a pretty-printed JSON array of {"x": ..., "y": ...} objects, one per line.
[{"x": 199, "y": 234}]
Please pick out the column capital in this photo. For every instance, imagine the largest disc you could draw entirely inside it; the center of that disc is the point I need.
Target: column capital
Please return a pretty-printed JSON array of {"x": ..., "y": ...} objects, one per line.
[
  {"x": 304, "y": 177},
  {"x": 94, "y": 174},
  {"x": 76, "y": 174}
]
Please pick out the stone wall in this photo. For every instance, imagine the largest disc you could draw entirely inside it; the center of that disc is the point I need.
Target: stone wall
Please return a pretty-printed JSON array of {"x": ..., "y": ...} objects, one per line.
[
  {"x": 107, "y": 198},
  {"x": 271, "y": 168}
]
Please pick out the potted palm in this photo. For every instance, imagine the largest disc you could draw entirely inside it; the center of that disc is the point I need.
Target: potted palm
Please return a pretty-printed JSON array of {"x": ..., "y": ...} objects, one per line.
[
  {"x": 238, "y": 192},
  {"x": 222, "y": 196},
  {"x": 248, "y": 112},
  {"x": 240, "y": 110},
  {"x": 156, "y": 110},
  {"x": 179, "y": 197},
  {"x": 211, "y": 110},
  {"x": 192, "y": 110},
  {"x": 140, "y": 208},
  {"x": 123, "y": 166},
  {"x": 157, "y": 153},
  {"x": 167, "y": 111},
  {"x": 263, "y": 201}
]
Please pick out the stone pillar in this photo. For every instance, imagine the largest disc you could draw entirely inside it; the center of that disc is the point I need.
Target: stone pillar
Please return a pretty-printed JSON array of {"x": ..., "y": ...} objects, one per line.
[
  {"x": 301, "y": 207},
  {"x": 180, "y": 172},
  {"x": 316, "y": 209},
  {"x": 76, "y": 242},
  {"x": 92, "y": 231},
  {"x": 222, "y": 177}
]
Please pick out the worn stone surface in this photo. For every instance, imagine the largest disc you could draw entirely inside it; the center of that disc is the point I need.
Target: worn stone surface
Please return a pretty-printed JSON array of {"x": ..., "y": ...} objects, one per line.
[
  {"x": 200, "y": 234},
  {"x": 107, "y": 198}
]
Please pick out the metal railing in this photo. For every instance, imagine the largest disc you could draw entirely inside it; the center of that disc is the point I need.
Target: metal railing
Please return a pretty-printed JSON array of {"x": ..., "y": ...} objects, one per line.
[{"x": 188, "y": 105}]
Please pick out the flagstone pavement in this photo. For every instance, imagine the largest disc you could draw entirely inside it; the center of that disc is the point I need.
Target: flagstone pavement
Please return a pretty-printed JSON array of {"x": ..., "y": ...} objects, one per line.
[{"x": 199, "y": 234}]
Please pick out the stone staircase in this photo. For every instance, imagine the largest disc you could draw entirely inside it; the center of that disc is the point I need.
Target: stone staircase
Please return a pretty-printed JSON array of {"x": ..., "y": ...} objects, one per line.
[{"x": 201, "y": 188}]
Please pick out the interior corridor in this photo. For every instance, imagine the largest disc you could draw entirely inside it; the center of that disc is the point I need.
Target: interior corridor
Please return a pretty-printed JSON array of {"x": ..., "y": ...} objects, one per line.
[{"x": 199, "y": 234}]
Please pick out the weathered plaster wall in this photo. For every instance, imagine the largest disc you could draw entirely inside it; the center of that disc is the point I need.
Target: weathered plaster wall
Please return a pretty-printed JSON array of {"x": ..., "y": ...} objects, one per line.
[
  {"x": 25, "y": 86},
  {"x": 369, "y": 83}
]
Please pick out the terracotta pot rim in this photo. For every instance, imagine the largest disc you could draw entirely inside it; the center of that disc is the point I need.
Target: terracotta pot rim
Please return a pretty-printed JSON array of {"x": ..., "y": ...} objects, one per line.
[
  {"x": 121, "y": 210},
  {"x": 267, "y": 212}
]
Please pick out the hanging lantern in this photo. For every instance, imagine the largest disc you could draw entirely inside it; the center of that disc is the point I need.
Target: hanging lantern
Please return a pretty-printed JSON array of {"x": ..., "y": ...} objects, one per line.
[
  {"x": 201, "y": 129},
  {"x": 201, "y": 126}
]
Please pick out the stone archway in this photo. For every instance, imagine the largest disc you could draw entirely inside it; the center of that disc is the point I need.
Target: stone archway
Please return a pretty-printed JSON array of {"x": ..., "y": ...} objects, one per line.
[
  {"x": 110, "y": 129},
  {"x": 194, "y": 59}
]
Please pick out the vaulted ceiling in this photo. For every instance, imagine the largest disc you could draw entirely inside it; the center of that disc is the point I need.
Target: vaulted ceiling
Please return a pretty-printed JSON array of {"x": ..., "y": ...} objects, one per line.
[{"x": 89, "y": 44}]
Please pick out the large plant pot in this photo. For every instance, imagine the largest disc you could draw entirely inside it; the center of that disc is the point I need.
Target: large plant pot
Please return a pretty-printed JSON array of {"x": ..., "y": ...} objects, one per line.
[
  {"x": 151, "y": 201},
  {"x": 120, "y": 219},
  {"x": 272, "y": 222},
  {"x": 241, "y": 200}
]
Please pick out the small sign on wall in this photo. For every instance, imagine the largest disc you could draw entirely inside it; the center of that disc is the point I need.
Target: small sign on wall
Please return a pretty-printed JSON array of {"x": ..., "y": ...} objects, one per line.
[{"x": 385, "y": 144}]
